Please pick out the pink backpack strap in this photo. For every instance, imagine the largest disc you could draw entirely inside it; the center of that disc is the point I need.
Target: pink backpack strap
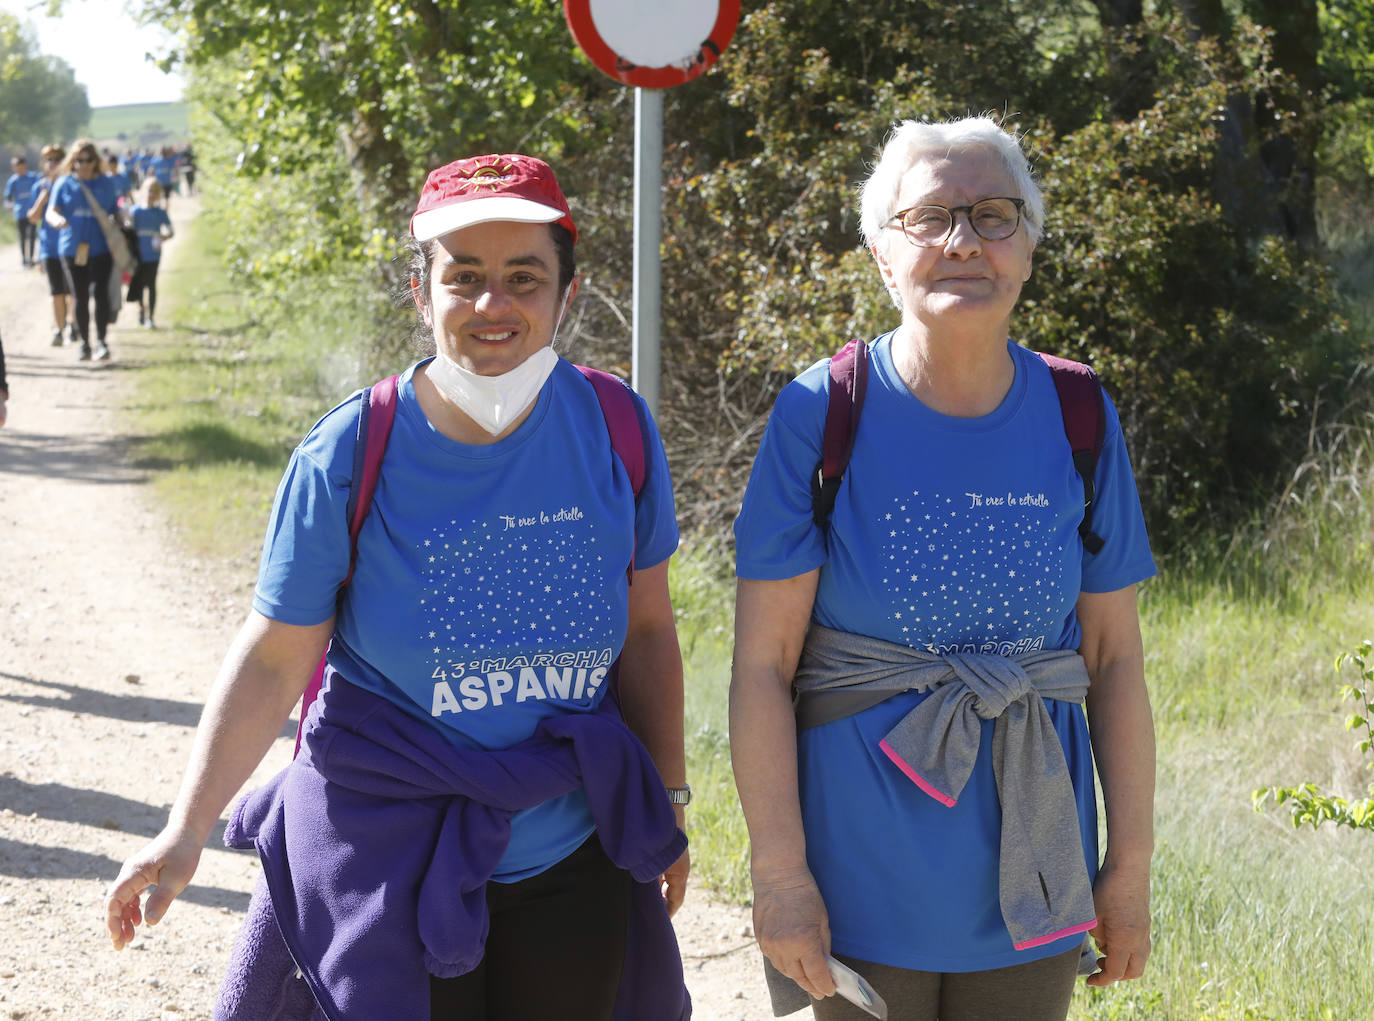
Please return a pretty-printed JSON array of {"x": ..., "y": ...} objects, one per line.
[
  {"x": 376, "y": 414},
  {"x": 629, "y": 433}
]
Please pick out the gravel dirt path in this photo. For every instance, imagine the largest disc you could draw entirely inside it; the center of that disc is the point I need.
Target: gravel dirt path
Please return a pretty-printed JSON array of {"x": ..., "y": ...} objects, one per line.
[{"x": 109, "y": 635}]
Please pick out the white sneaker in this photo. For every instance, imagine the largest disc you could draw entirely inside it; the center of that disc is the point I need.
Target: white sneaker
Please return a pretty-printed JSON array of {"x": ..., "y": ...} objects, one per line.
[{"x": 102, "y": 353}]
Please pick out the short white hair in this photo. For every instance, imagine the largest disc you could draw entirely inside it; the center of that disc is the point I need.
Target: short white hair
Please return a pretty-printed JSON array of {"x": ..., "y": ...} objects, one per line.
[{"x": 913, "y": 141}]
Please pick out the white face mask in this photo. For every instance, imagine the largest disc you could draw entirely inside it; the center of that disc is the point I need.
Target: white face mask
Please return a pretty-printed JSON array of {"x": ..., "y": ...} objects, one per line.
[{"x": 494, "y": 402}]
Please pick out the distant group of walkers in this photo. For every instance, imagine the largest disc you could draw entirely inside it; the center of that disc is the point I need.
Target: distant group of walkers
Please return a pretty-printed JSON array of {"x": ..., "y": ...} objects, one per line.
[
  {"x": 172, "y": 167},
  {"x": 91, "y": 221}
]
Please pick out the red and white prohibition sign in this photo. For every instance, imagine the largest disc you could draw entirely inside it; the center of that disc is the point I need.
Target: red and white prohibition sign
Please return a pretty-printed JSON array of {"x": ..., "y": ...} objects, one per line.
[{"x": 652, "y": 45}]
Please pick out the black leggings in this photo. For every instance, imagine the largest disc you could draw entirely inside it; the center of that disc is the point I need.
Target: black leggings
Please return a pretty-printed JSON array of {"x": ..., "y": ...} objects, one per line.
[
  {"x": 145, "y": 279},
  {"x": 96, "y": 272},
  {"x": 555, "y": 949},
  {"x": 28, "y": 237},
  {"x": 1038, "y": 991}
]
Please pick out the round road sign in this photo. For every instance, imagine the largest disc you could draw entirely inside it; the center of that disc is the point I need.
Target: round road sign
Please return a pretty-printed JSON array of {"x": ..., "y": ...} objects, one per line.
[{"x": 652, "y": 45}]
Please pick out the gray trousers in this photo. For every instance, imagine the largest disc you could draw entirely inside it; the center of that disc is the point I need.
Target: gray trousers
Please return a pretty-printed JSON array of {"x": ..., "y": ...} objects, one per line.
[{"x": 1037, "y": 991}]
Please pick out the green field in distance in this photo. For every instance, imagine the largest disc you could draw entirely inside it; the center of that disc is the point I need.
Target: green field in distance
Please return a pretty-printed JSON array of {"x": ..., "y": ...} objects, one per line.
[{"x": 140, "y": 124}]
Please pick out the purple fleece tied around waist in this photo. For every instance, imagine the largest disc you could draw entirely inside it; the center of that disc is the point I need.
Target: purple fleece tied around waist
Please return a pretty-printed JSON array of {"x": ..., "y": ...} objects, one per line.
[
  {"x": 378, "y": 842},
  {"x": 261, "y": 981}
]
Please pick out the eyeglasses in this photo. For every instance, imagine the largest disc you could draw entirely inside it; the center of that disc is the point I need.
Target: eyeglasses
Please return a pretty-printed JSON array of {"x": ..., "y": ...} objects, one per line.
[
  {"x": 928, "y": 226},
  {"x": 83, "y": 159}
]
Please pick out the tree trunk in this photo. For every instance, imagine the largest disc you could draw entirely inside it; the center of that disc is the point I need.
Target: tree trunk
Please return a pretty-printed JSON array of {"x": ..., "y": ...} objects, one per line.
[
  {"x": 1265, "y": 165},
  {"x": 1131, "y": 68}
]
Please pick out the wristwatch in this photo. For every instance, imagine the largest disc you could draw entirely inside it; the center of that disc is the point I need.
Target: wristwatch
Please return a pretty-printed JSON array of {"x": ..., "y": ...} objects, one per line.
[{"x": 680, "y": 795}]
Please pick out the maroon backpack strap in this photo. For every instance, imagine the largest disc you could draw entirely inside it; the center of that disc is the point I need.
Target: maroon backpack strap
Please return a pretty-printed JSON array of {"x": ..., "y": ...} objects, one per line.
[
  {"x": 629, "y": 432},
  {"x": 1085, "y": 424},
  {"x": 376, "y": 413},
  {"x": 848, "y": 385},
  {"x": 375, "y": 418}
]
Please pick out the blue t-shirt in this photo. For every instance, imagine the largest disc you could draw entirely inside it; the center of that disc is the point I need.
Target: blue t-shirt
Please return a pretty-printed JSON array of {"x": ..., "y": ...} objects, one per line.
[
  {"x": 49, "y": 237},
  {"x": 21, "y": 189},
  {"x": 69, "y": 199},
  {"x": 148, "y": 222},
  {"x": 164, "y": 169},
  {"x": 947, "y": 534},
  {"x": 491, "y": 589}
]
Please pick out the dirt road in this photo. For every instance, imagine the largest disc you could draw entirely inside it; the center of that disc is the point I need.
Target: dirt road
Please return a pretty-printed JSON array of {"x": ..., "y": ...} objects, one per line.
[{"x": 109, "y": 636}]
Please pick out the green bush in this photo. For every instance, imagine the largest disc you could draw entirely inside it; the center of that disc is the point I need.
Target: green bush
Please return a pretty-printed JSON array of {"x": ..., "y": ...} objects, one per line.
[{"x": 1306, "y": 802}]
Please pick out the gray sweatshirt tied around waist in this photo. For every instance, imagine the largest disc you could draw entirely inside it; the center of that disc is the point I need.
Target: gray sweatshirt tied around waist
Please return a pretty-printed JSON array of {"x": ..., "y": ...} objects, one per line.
[{"x": 1045, "y": 893}]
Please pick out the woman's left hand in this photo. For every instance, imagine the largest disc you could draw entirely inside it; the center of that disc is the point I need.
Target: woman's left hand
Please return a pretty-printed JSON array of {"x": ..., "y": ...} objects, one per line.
[
  {"x": 673, "y": 883},
  {"x": 1122, "y": 899}
]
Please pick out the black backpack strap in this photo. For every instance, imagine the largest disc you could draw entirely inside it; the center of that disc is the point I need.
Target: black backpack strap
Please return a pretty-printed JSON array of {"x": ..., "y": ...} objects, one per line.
[
  {"x": 848, "y": 384},
  {"x": 1085, "y": 424}
]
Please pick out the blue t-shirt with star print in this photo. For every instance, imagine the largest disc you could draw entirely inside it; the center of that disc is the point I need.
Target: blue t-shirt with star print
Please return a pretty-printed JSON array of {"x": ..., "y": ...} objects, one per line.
[
  {"x": 490, "y": 590},
  {"x": 948, "y": 534}
]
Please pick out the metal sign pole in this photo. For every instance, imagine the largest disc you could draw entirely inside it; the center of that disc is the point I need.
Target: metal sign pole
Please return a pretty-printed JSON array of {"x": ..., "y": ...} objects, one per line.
[{"x": 647, "y": 242}]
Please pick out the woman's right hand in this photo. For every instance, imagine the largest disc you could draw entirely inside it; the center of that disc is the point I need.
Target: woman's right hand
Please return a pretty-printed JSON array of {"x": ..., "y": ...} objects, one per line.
[
  {"x": 166, "y": 864},
  {"x": 793, "y": 928},
  {"x": 264, "y": 672}
]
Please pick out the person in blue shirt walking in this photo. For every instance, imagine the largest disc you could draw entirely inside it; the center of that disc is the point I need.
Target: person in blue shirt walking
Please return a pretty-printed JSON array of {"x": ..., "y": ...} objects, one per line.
[
  {"x": 490, "y": 599},
  {"x": 933, "y": 825},
  {"x": 81, "y": 244},
  {"x": 49, "y": 239},
  {"x": 122, "y": 186},
  {"x": 20, "y": 190},
  {"x": 164, "y": 167},
  {"x": 154, "y": 226}
]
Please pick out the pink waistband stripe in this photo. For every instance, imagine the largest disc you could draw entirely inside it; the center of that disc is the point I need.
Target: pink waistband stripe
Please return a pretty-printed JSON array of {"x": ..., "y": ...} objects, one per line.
[{"x": 916, "y": 777}]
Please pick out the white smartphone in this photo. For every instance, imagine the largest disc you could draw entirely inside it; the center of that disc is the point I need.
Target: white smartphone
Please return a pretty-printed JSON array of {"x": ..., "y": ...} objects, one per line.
[{"x": 855, "y": 988}]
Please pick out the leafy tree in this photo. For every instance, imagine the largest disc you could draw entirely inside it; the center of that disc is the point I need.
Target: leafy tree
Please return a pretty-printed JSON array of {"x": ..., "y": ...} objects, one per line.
[
  {"x": 40, "y": 99},
  {"x": 398, "y": 85},
  {"x": 1203, "y": 323}
]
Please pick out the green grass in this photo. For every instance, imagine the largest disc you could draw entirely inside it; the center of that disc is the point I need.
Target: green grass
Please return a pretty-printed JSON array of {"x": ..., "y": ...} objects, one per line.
[
  {"x": 140, "y": 124},
  {"x": 704, "y": 600},
  {"x": 228, "y": 394},
  {"x": 1253, "y": 921},
  {"x": 8, "y": 234}
]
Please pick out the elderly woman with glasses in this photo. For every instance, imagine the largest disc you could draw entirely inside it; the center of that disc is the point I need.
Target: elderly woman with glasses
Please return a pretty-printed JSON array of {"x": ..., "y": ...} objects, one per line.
[
  {"x": 81, "y": 194},
  {"x": 911, "y": 675}
]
